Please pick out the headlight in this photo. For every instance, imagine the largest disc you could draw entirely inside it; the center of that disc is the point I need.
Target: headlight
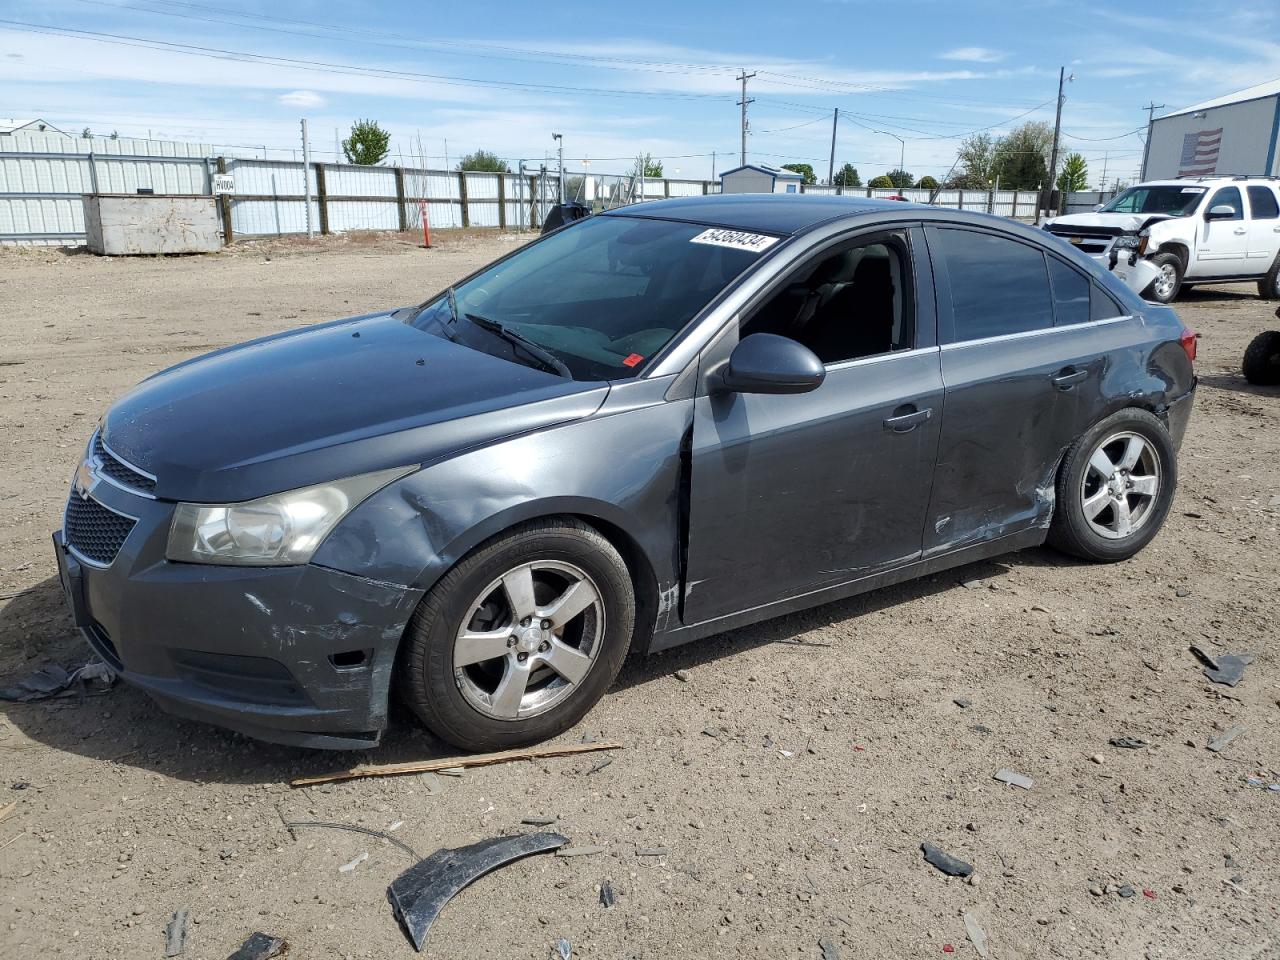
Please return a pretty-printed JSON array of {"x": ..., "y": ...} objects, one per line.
[
  {"x": 1126, "y": 243},
  {"x": 282, "y": 529}
]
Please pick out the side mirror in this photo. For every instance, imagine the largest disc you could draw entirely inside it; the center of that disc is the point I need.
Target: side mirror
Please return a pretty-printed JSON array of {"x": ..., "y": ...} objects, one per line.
[
  {"x": 767, "y": 363},
  {"x": 1221, "y": 212}
]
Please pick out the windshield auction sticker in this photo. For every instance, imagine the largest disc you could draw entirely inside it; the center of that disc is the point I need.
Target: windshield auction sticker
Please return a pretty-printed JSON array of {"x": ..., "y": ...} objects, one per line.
[{"x": 736, "y": 239}]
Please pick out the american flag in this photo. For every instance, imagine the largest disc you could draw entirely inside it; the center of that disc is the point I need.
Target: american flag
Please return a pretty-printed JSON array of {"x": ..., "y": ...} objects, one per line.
[{"x": 1200, "y": 153}]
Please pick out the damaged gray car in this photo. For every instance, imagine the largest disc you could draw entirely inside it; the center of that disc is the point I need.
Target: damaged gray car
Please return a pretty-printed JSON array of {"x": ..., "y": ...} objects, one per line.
[{"x": 653, "y": 425}]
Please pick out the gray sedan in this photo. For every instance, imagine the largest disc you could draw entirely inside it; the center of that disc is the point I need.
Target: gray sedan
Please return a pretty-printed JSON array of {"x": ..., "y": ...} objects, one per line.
[{"x": 653, "y": 425}]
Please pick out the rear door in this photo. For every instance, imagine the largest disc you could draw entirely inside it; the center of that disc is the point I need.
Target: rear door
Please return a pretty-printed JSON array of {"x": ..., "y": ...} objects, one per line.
[
  {"x": 793, "y": 493},
  {"x": 1025, "y": 351},
  {"x": 1222, "y": 246},
  {"x": 1264, "y": 227}
]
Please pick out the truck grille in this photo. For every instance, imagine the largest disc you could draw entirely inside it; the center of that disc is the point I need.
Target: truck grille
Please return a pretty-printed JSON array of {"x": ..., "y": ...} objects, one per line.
[
  {"x": 93, "y": 531},
  {"x": 119, "y": 471}
]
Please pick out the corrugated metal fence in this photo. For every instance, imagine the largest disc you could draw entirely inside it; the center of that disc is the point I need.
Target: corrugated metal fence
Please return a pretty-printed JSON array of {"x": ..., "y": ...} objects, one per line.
[{"x": 43, "y": 177}]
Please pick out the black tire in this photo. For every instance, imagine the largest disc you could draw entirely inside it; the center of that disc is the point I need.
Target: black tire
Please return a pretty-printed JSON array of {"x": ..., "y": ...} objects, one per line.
[
  {"x": 1262, "y": 359},
  {"x": 1269, "y": 286},
  {"x": 425, "y": 668},
  {"x": 1070, "y": 531},
  {"x": 1166, "y": 261}
]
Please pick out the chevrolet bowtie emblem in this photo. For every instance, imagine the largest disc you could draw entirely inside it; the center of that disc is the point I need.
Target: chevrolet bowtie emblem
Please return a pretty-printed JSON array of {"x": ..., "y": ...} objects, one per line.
[{"x": 86, "y": 478}]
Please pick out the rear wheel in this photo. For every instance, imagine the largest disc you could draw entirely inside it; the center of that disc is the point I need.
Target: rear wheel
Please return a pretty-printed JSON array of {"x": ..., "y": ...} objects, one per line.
[
  {"x": 1262, "y": 359},
  {"x": 1114, "y": 488},
  {"x": 520, "y": 639},
  {"x": 1164, "y": 288}
]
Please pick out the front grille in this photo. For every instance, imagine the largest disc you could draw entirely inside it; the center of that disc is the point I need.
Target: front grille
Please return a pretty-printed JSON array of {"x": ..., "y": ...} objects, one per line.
[
  {"x": 118, "y": 470},
  {"x": 93, "y": 531}
]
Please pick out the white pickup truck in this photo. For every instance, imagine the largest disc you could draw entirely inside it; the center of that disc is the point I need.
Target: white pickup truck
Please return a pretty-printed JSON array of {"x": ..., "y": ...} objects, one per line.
[{"x": 1201, "y": 230}]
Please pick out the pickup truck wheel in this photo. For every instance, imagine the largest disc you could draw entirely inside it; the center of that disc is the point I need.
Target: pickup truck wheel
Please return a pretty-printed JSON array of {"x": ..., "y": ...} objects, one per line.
[
  {"x": 1269, "y": 286},
  {"x": 1114, "y": 488},
  {"x": 1262, "y": 359},
  {"x": 1164, "y": 288},
  {"x": 519, "y": 640}
]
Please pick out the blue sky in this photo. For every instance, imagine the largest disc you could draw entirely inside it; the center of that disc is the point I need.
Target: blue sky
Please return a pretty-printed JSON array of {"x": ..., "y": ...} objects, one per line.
[{"x": 618, "y": 79}]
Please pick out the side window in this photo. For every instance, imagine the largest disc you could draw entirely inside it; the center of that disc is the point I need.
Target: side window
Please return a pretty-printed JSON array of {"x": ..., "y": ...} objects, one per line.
[
  {"x": 1101, "y": 305},
  {"x": 998, "y": 285},
  {"x": 854, "y": 301},
  {"x": 1228, "y": 197},
  {"x": 1262, "y": 202},
  {"x": 1070, "y": 294}
]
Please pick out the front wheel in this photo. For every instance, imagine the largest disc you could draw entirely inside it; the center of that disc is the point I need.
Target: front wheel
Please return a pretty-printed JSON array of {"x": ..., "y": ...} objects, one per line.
[
  {"x": 519, "y": 640},
  {"x": 1114, "y": 488},
  {"x": 1262, "y": 359},
  {"x": 1164, "y": 288}
]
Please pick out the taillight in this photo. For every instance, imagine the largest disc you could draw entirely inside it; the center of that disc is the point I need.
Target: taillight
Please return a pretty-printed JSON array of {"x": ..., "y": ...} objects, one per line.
[{"x": 1188, "y": 341}]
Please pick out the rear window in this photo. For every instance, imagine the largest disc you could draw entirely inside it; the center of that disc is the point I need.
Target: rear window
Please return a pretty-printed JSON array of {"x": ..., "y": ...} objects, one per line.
[
  {"x": 998, "y": 286},
  {"x": 1262, "y": 200}
]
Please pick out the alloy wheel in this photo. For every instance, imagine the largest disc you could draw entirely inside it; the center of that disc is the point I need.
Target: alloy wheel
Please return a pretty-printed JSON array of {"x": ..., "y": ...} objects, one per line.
[
  {"x": 528, "y": 640},
  {"x": 1121, "y": 486},
  {"x": 1164, "y": 284}
]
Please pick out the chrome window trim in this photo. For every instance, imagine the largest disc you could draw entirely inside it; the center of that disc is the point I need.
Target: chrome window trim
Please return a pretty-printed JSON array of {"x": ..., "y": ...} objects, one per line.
[
  {"x": 1027, "y": 334},
  {"x": 879, "y": 358}
]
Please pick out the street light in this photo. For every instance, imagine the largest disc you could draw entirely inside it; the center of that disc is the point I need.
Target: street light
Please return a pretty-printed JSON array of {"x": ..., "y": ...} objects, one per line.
[
  {"x": 559, "y": 138},
  {"x": 902, "y": 155}
]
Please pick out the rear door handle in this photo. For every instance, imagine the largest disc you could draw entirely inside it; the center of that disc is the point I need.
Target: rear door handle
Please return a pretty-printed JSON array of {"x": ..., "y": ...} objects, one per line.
[
  {"x": 1069, "y": 377},
  {"x": 906, "y": 418}
]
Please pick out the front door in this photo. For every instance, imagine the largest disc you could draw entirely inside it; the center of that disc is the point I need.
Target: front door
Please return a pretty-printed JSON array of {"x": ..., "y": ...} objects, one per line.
[
  {"x": 793, "y": 493},
  {"x": 1222, "y": 246}
]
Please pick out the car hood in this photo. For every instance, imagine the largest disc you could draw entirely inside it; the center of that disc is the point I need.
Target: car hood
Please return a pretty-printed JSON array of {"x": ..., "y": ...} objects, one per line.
[
  {"x": 1111, "y": 222},
  {"x": 325, "y": 402}
]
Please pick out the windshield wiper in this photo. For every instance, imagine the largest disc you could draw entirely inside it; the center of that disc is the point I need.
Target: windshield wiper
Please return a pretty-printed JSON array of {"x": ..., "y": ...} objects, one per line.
[{"x": 539, "y": 354}]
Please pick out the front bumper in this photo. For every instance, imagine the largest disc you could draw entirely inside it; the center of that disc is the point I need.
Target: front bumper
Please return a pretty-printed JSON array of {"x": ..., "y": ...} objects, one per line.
[{"x": 299, "y": 655}]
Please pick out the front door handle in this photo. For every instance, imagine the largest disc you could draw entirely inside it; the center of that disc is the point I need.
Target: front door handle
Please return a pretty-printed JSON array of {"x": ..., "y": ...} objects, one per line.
[
  {"x": 1240, "y": 231},
  {"x": 1069, "y": 377},
  {"x": 906, "y": 418}
]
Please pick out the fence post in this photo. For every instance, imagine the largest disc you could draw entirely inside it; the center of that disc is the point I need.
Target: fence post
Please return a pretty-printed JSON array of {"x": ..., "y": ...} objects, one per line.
[
  {"x": 1015, "y": 203},
  {"x": 666, "y": 187},
  {"x": 991, "y": 200},
  {"x": 868, "y": 193},
  {"x": 960, "y": 204},
  {"x": 462, "y": 197},
  {"x": 224, "y": 202},
  {"x": 402, "y": 214},
  {"x": 322, "y": 199},
  {"x": 534, "y": 210},
  {"x": 502, "y": 201},
  {"x": 706, "y": 188}
]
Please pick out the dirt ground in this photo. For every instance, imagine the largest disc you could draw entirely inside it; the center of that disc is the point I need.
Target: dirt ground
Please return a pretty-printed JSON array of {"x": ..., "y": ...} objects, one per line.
[{"x": 791, "y": 777}]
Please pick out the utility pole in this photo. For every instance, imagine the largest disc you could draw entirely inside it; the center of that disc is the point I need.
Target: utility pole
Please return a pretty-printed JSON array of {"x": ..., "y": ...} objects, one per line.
[
  {"x": 1057, "y": 134},
  {"x": 743, "y": 76},
  {"x": 713, "y": 166},
  {"x": 1102, "y": 186},
  {"x": 1151, "y": 109},
  {"x": 559, "y": 138},
  {"x": 831, "y": 164},
  {"x": 306, "y": 175}
]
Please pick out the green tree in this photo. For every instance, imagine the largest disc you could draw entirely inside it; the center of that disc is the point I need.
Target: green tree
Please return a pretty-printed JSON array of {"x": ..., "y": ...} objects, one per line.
[
  {"x": 976, "y": 158},
  {"x": 1074, "y": 175},
  {"x": 847, "y": 176},
  {"x": 647, "y": 167},
  {"x": 901, "y": 179},
  {"x": 368, "y": 143},
  {"x": 1022, "y": 156},
  {"x": 927, "y": 183},
  {"x": 484, "y": 161},
  {"x": 880, "y": 183},
  {"x": 86, "y": 133},
  {"x": 805, "y": 170}
]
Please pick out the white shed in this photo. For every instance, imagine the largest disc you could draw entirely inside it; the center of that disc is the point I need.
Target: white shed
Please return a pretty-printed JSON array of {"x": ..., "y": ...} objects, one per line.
[
  {"x": 1235, "y": 135},
  {"x": 760, "y": 178}
]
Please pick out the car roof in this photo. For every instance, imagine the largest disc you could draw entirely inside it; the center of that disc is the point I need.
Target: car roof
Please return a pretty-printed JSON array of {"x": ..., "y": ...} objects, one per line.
[{"x": 791, "y": 214}]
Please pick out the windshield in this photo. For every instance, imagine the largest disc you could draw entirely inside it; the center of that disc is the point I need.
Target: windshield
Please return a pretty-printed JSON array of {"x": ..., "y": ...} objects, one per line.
[
  {"x": 1175, "y": 201},
  {"x": 598, "y": 298}
]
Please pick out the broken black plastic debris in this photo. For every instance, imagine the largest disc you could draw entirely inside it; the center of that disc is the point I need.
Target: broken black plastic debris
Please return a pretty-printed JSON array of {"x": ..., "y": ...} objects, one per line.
[
  {"x": 951, "y": 866},
  {"x": 53, "y": 680},
  {"x": 175, "y": 934},
  {"x": 1226, "y": 668},
  {"x": 607, "y": 897},
  {"x": 419, "y": 894},
  {"x": 1127, "y": 891},
  {"x": 260, "y": 946},
  {"x": 1127, "y": 743},
  {"x": 564, "y": 950}
]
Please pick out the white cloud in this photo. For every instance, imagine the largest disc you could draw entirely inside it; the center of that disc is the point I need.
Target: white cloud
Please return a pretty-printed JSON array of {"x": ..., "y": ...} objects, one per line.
[
  {"x": 974, "y": 55},
  {"x": 301, "y": 98}
]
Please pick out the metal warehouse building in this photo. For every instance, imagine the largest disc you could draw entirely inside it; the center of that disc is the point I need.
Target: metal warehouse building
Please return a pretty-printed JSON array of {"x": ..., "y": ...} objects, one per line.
[{"x": 1232, "y": 135}]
